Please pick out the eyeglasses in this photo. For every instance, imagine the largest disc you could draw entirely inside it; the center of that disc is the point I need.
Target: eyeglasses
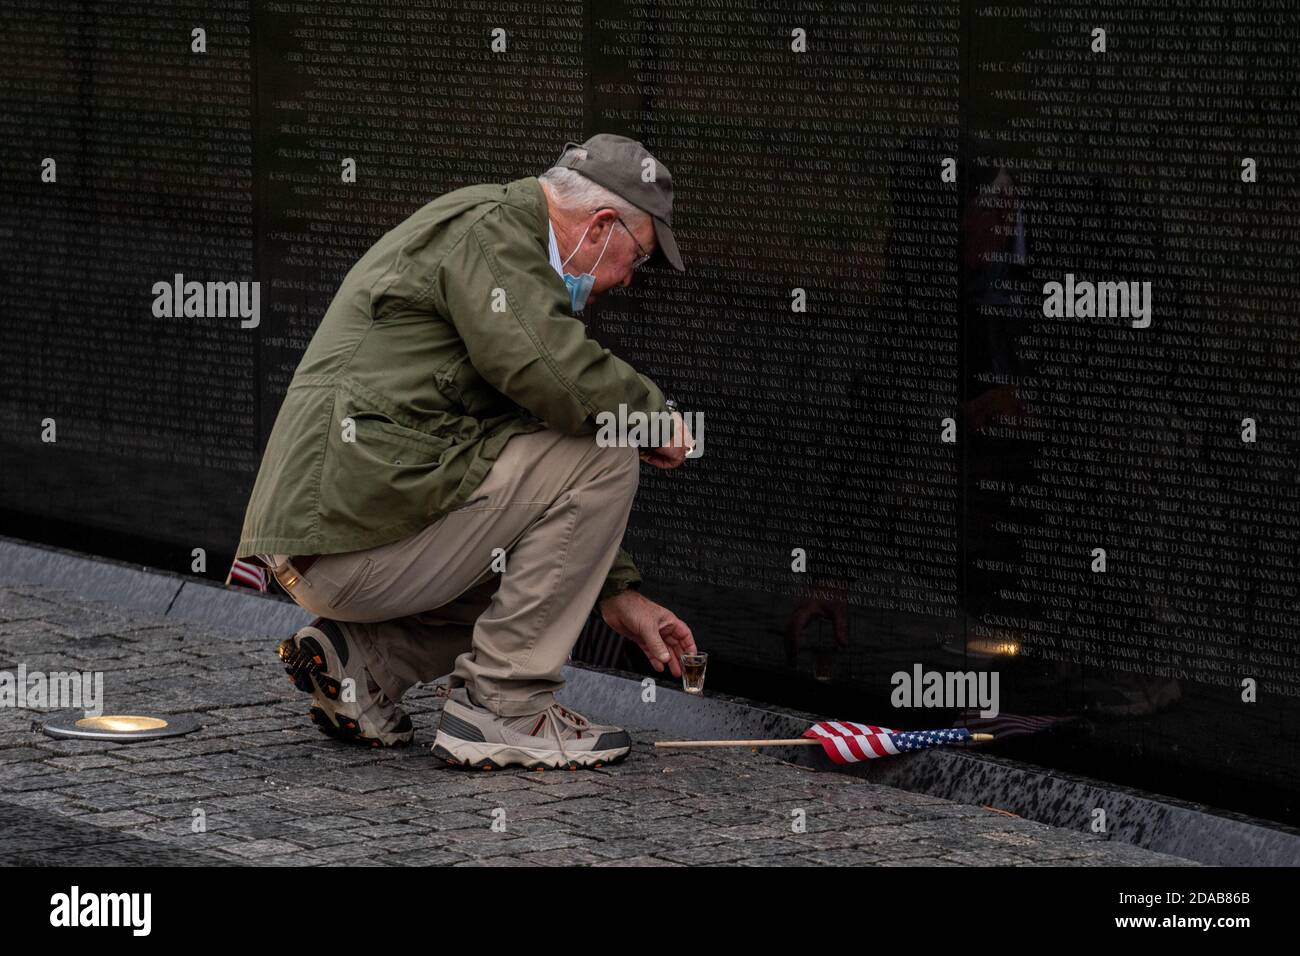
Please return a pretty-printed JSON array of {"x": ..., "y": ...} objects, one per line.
[{"x": 642, "y": 256}]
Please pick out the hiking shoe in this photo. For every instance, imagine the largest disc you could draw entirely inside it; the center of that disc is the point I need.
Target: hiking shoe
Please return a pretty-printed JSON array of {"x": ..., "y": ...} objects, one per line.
[
  {"x": 318, "y": 658},
  {"x": 473, "y": 736}
]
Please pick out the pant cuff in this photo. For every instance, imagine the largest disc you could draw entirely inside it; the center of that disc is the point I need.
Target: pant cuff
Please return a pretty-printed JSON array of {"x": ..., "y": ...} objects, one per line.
[
  {"x": 374, "y": 661},
  {"x": 514, "y": 706}
]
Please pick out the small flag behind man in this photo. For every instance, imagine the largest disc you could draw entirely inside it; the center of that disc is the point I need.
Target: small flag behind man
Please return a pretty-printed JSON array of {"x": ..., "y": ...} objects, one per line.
[
  {"x": 847, "y": 742},
  {"x": 246, "y": 575}
]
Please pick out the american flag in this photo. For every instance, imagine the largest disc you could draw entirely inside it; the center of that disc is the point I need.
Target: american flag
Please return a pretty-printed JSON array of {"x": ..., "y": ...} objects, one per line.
[
  {"x": 247, "y": 575},
  {"x": 847, "y": 742}
]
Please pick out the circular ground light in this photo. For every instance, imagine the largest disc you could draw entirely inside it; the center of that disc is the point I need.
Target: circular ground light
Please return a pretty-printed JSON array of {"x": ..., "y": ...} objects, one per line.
[{"x": 120, "y": 727}]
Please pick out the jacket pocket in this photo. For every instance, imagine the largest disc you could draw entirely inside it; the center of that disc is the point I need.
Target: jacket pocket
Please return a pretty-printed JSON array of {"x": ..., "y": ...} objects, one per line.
[
  {"x": 398, "y": 444},
  {"x": 383, "y": 431},
  {"x": 380, "y": 473}
]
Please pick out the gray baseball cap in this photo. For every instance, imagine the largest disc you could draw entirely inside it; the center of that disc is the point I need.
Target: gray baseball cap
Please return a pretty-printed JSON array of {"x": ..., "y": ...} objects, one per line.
[{"x": 616, "y": 163}]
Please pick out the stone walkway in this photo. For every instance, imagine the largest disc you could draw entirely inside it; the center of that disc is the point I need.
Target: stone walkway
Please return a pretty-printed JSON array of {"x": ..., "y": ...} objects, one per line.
[{"x": 270, "y": 790}]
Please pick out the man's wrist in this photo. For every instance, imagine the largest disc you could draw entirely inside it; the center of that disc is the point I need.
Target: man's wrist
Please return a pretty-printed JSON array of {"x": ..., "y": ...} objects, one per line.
[{"x": 607, "y": 594}]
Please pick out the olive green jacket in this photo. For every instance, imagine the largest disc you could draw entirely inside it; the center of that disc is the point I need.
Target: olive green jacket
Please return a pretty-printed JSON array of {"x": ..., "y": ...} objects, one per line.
[{"x": 452, "y": 334}]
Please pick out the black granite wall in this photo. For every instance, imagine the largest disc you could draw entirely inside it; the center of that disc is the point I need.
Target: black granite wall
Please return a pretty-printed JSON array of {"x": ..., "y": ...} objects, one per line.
[{"x": 909, "y": 459}]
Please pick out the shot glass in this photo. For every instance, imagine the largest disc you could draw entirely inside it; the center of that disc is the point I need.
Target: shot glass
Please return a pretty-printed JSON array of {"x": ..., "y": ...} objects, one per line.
[{"x": 693, "y": 666}]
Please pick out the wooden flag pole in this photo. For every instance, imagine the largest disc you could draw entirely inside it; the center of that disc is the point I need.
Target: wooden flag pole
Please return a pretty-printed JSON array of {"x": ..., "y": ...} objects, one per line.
[{"x": 796, "y": 742}]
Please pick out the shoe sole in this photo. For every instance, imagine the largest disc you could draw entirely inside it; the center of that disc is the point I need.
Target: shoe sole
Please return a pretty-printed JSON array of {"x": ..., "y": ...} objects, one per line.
[
  {"x": 485, "y": 756},
  {"x": 307, "y": 673}
]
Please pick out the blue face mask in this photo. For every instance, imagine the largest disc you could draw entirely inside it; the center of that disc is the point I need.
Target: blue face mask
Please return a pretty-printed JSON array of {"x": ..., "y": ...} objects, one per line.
[{"x": 580, "y": 286}]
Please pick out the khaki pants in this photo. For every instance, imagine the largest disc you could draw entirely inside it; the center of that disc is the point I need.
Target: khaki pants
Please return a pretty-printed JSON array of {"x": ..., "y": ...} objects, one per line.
[{"x": 557, "y": 506}]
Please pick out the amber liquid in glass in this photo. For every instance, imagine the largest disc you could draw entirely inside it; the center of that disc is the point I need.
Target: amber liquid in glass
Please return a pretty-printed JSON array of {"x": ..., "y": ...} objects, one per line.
[{"x": 693, "y": 673}]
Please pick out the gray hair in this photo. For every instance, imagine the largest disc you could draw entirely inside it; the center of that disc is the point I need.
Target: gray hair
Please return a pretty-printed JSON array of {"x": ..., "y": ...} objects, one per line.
[{"x": 576, "y": 192}]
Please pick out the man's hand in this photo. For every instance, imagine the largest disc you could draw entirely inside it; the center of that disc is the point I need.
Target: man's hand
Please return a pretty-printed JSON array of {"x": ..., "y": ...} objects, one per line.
[
  {"x": 674, "y": 453},
  {"x": 824, "y": 599},
  {"x": 661, "y": 634}
]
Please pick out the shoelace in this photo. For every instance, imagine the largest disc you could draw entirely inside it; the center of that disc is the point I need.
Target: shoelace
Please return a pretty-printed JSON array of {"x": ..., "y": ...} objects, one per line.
[
  {"x": 578, "y": 721},
  {"x": 555, "y": 714}
]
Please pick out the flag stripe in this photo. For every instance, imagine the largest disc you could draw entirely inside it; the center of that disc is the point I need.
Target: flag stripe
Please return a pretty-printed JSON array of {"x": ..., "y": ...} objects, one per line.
[{"x": 247, "y": 575}]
